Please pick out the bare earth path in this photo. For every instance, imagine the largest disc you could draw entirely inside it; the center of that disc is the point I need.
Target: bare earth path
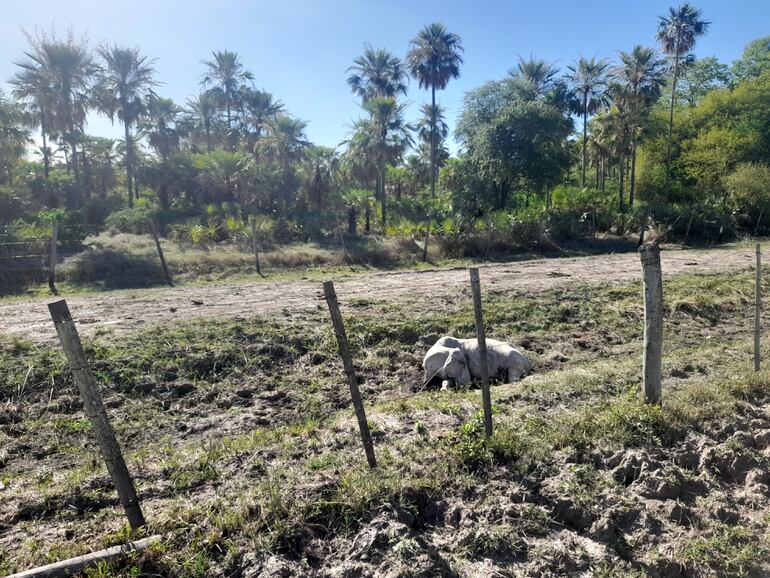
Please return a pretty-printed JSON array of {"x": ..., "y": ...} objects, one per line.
[{"x": 128, "y": 310}]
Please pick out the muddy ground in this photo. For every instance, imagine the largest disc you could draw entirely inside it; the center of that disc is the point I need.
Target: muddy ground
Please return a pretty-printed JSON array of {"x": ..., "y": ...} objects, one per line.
[{"x": 239, "y": 433}]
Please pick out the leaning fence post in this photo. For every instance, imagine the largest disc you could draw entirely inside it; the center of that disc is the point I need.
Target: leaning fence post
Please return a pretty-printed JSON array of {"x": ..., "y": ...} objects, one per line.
[
  {"x": 486, "y": 397},
  {"x": 166, "y": 274},
  {"x": 254, "y": 243},
  {"x": 52, "y": 258},
  {"x": 94, "y": 409},
  {"x": 347, "y": 361},
  {"x": 653, "y": 322},
  {"x": 757, "y": 308}
]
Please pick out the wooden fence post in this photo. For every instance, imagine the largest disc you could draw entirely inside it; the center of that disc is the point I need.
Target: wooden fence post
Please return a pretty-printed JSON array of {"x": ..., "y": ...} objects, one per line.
[
  {"x": 757, "y": 308},
  {"x": 52, "y": 259},
  {"x": 94, "y": 410},
  {"x": 166, "y": 274},
  {"x": 254, "y": 243},
  {"x": 347, "y": 361},
  {"x": 486, "y": 397},
  {"x": 653, "y": 322},
  {"x": 425, "y": 246}
]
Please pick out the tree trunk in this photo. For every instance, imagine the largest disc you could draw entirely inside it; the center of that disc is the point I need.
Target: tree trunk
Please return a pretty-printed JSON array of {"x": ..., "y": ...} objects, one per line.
[
  {"x": 585, "y": 133},
  {"x": 352, "y": 221},
  {"x": 46, "y": 159},
  {"x": 129, "y": 164},
  {"x": 433, "y": 142},
  {"x": 381, "y": 179},
  {"x": 632, "y": 177},
  {"x": 621, "y": 200},
  {"x": 368, "y": 217},
  {"x": 671, "y": 116}
]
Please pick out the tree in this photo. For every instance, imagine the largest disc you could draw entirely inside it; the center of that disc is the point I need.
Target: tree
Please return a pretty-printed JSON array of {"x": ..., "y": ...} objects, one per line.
[
  {"x": 377, "y": 73},
  {"x": 32, "y": 86},
  {"x": 754, "y": 61},
  {"x": 258, "y": 109},
  {"x": 67, "y": 69},
  {"x": 202, "y": 116},
  {"x": 225, "y": 73},
  {"x": 286, "y": 144},
  {"x": 433, "y": 117},
  {"x": 639, "y": 78},
  {"x": 538, "y": 73},
  {"x": 323, "y": 173},
  {"x": 521, "y": 149},
  {"x": 123, "y": 84},
  {"x": 14, "y": 137},
  {"x": 434, "y": 58},
  {"x": 160, "y": 125},
  {"x": 588, "y": 80},
  {"x": 677, "y": 34},
  {"x": 387, "y": 137},
  {"x": 701, "y": 76}
]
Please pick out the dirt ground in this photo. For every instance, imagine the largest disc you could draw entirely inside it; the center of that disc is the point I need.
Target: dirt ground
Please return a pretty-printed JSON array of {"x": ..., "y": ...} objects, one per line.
[{"x": 126, "y": 310}]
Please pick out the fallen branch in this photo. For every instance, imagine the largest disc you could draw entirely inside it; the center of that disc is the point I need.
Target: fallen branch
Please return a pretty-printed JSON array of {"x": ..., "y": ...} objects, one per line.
[{"x": 77, "y": 564}]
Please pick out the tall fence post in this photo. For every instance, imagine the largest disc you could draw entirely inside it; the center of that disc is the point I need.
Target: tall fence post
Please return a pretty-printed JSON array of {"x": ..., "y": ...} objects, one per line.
[
  {"x": 486, "y": 397},
  {"x": 94, "y": 409},
  {"x": 347, "y": 361},
  {"x": 166, "y": 274},
  {"x": 256, "y": 246},
  {"x": 653, "y": 322},
  {"x": 52, "y": 258},
  {"x": 757, "y": 308}
]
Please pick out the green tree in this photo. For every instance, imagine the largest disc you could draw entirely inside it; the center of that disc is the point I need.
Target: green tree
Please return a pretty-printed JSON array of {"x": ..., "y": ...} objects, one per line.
[
  {"x": 588, "y": 80},
  {"x": 434, "y": 58},
  {"x": 677, "y": 34},
  {"x": 202, "y": 117},
  {"x": 754, "y": 61},
  {"x": 377, "y": 73},
  {"x": 160, "y": 125},
  {"x": 537, "y": 73},
  {"x": 286, "y": 144},
  {"x": 14, "y": 137},
  {"x": 640, "y": 80},
  {"x": 322, "y": 174},
  {"x": 32, "y": 86},
  {"x": 124, "y": 82},
  {"x": 225, "y": 74},
  {"x": 67, "y": 71},
  {"x": 700, "y": 77},
  {"x": 258, "y": 109}
]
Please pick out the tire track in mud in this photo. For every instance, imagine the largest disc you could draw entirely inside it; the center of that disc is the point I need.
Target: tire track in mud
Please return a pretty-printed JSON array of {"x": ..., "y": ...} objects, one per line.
[{"x": 127, "y": 310}]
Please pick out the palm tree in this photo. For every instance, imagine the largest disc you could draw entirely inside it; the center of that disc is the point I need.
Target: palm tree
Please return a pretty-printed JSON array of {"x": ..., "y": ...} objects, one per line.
[
  {"x": 258, "y": 108},
  {"x": 202, "y": 116},
  {"x": 377, "y": 73},
  {"x": 66, "y": 70},
  {"x": 437, "y": 150},
  {"x": 677, "y": 33},
  {"x": 640, "y": 76},
  {"x": 159, "y": 125},
  {"x": 434, "y": 59},
  {"x": 124, "y": 82},
  {"x": 285, "y": 144},
  {"x": 14, "y": 137},
  {"x": 536, "y": 71},
  {"x": 323, "y": 173},
  {"x": 588, "y": 80},
  {"x": 226, "y": 75},
  {"x": 32, "y": 86},
  {"x": 387, "y": 135}
]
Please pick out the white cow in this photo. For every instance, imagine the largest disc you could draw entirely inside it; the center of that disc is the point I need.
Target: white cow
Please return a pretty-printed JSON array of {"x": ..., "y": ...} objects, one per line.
[
  {"x": 448, "y": 363},
  {"x": 502, "y": 357}
]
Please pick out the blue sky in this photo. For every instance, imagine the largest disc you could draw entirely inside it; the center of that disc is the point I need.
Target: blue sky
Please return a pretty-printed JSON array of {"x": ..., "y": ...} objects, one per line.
[{"x": 300, "y": 49}]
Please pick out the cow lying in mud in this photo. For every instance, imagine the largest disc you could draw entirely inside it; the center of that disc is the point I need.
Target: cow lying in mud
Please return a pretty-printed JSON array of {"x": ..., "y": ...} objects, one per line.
[{"x": 457, "y": 361}]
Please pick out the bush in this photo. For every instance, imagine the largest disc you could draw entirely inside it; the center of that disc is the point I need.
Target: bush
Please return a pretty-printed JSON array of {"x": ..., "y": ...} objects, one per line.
[{"x": 135, "y": 220}]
